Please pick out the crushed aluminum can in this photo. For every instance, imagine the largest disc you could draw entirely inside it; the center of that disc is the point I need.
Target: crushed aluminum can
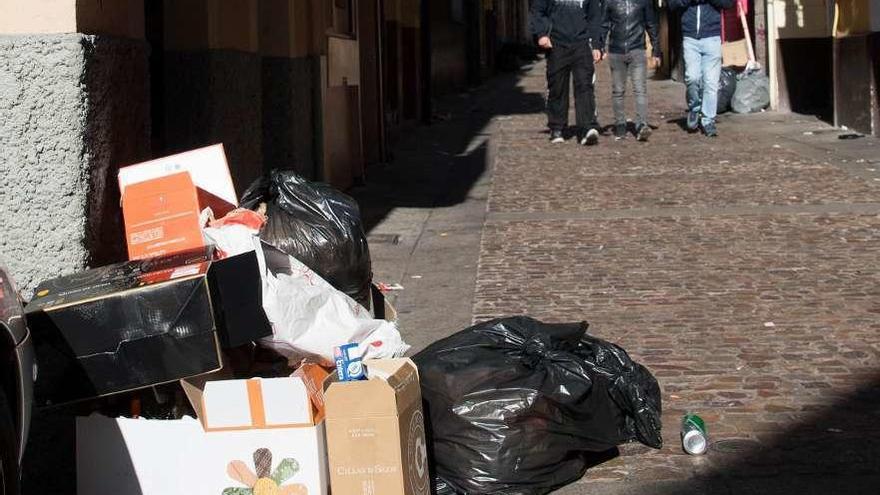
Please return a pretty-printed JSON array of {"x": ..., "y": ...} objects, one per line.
[{"x": 694, "y": 439}]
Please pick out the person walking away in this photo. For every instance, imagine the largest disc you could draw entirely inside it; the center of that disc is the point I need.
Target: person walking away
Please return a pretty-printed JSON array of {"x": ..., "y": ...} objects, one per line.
[
  {"x": 625, "y": 23},
  {"x": 701, "y": 28},
  {"x": 565, "y": 28}
]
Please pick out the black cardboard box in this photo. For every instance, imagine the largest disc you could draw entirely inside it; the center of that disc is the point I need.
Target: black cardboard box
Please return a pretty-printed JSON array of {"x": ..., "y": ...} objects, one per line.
[
  {"x": 141, "y": 323},
  {"x": 237, "y": 296}
]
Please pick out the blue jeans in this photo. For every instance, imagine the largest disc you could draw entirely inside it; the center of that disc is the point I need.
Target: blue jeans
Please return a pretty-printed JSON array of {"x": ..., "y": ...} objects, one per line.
[{"x": 702, "y": 72}]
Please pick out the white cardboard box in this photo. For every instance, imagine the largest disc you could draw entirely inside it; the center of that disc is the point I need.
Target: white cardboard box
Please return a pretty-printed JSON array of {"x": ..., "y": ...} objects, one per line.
[
  {"x": 250, "y": 404},
  {"x": 209, "y": 171},
  {"x": 256, "y": 442},
  {"x": 156, "y": 457}
]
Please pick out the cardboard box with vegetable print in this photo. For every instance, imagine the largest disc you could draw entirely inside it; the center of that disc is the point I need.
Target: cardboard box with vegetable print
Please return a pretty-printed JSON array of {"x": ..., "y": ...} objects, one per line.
[{"x": 251, "y": 453}]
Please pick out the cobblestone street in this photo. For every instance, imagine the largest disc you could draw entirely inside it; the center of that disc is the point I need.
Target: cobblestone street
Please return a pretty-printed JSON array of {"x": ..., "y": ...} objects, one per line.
[
  {"x": 742, "y": 271},
  {"x": 221, "y": 220}
]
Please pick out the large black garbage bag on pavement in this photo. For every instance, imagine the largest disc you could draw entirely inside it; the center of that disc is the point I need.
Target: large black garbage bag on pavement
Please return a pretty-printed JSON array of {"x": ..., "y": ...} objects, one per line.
[
  {"x": 514, "y": 405},
  {"x": 726, "y": 88},
  {"x": 318, "y": 225}
]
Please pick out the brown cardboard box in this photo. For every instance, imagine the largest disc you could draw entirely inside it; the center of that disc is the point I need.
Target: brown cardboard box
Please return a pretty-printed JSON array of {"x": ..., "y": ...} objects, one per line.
[
  {"x": 376, "y": 432},
  {"x": 735, "y": 53}
]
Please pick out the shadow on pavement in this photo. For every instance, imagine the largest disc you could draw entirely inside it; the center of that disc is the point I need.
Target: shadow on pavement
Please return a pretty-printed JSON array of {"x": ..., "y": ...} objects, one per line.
[
  {"x": 680, "y": 122},
  {"x": 437, "y": 165},
  {"x": 836, "y": 449}
]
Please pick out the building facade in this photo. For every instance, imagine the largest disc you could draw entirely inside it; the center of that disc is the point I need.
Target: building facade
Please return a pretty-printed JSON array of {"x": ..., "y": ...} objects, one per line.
[
  {"x": 824, "y": 59},
  {"x": 320, "y": 86}
]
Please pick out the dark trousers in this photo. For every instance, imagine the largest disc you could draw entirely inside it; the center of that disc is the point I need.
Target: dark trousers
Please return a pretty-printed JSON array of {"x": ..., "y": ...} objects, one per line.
[{"x": 565, "y": 63}]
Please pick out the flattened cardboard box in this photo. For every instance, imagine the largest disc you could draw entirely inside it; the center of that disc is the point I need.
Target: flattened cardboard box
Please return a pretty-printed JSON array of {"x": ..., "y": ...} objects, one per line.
[
  {"x": 735, "y": 53},
  {"x": 141, "y": 323},
  {"x": 376, "y": 432}
]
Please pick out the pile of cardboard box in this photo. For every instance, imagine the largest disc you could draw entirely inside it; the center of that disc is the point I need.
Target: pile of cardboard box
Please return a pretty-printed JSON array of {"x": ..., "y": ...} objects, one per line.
[
  {"x": 172, "y": 316},
  {"x": 295, "y": 435}
]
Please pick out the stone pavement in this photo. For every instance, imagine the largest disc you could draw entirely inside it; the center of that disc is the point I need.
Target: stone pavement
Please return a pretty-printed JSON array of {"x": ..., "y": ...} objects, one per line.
[{"x": 741, "y": 270}]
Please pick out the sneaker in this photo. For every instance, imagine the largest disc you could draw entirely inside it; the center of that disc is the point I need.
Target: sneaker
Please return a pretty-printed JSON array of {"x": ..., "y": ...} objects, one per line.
[
  {"x": 709, "y": 130},
  {"x": 591, "y": 138},
  {"x": 693, "y": 121},
  {"x": 556, "y": 137},
  {"x": 620, "y": 132},
  {"x": 644, "y": 132}
]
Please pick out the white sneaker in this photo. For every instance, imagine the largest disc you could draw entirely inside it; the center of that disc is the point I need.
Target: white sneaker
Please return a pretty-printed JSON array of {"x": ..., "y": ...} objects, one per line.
[{"x": 591, "y": 138}]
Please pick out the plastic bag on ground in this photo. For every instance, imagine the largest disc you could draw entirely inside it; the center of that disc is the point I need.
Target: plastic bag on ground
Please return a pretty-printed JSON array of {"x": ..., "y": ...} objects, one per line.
[
  {"x": 309, "y": 317},
  {"x": 752, "y": 92},
  {"x": 726, "y": 88},
  {"x": 515, "y": 405},
  {"x": 318, "y": 225}
]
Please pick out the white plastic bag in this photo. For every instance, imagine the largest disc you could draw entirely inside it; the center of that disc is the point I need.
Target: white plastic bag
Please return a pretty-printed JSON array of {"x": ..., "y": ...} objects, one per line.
[
  {"x": 309, "y": 316},
  {"x": 752, "y": 92},
  {"x": 232, "y": 240},
  {"x": 236, "y": 233}
]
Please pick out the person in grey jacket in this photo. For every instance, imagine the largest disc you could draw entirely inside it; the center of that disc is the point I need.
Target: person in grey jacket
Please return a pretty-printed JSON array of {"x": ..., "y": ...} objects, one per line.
[
  {"x": 565, "y": 29},
  {"x": 625, "y": 23}
]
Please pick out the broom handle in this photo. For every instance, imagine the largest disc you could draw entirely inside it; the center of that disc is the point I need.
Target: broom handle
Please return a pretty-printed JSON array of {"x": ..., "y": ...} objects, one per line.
[{"x": 745, "y": 24}]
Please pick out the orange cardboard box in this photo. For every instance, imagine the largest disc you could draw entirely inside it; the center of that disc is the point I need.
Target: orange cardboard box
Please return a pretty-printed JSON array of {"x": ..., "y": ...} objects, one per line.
[
  {"x": 162, "y": 200},
  {"x": 207, "y": 167},
  {"x": 161, "y": 217}
]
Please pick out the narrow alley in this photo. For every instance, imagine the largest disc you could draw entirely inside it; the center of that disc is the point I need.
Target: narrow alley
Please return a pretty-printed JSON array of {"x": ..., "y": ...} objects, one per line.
[
  {"x": 237, "y": 234},
  {"x": 741, "y": 270}
]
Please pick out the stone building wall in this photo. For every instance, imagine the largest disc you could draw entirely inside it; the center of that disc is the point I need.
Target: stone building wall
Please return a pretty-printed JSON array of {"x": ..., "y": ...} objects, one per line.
[{"x": 73, "y": 107}]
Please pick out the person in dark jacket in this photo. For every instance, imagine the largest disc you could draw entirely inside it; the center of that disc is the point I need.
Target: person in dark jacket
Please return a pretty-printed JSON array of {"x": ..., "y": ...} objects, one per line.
[
  {"x": 625, "y": 23},
  {"x": 565, "y": 29},
  {"x": 701, "y": 28}
]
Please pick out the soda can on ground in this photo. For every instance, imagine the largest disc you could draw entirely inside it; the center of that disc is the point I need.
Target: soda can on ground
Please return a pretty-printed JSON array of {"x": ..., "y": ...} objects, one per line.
[{"x": 694, "y": 438}]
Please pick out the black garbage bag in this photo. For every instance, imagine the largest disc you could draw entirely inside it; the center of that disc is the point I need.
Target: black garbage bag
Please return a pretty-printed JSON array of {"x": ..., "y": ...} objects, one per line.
[
  {"x": 726, "y": 88},
  {"x": 515, "y": 406},
  {"x": 318, "y": 225},
  {"x": 752, "y": 92},
  {"x": 441, "y": 487}
]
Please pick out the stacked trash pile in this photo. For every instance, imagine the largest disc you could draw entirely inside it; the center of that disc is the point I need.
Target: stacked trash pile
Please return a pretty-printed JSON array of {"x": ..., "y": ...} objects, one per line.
[{"x": 243, "y": 349}]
